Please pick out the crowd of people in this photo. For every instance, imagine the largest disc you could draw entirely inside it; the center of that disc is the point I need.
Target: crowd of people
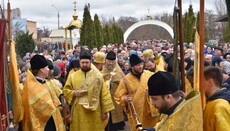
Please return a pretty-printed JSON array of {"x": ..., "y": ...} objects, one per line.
[{"x": 102, "y": 88}]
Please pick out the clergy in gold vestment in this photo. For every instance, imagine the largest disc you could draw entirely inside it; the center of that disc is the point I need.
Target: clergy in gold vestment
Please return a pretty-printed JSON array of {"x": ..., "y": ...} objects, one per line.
[
  {"x": 217, "y": 110},
  {"x": 99, "y": 60},
  {"x": 112, "y": 75},
  {"x": 40, "y": 103},
  {"x": 157, "y": 62},
  {"x": 89, "y": 97},
  {"x": 134, "y": 87},
  {"x": 177, "y": 113}
]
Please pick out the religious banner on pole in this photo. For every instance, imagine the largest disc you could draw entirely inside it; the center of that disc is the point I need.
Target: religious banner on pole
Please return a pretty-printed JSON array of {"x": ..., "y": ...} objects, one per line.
[
  {"x": 196, "y": 78},
  {"x": 3, "y": 109},
  {"x": 14, "y": 84}
]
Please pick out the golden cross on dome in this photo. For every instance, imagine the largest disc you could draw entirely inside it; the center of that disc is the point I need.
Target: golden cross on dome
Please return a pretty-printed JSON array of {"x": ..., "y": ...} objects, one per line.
[{"x": 75, "y": 4}]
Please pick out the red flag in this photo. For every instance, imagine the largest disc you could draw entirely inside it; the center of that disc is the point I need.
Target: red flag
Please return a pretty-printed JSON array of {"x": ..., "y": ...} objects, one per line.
[{"x": 3, "y": 109}]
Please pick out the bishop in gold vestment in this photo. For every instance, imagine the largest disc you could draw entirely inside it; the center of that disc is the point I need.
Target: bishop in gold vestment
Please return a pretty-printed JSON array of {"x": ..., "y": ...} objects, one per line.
[{"x": 112, "y": 75}]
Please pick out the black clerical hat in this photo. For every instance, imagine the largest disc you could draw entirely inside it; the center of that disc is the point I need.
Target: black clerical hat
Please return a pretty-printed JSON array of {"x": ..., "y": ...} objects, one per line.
[
  {"x": 162, "y": 83},
  {"x": 85, "y": 54},
  {"x": 37, "y": 62},
  {"x": 111, "y": 56},
  {"x": 134, "y": 60}
]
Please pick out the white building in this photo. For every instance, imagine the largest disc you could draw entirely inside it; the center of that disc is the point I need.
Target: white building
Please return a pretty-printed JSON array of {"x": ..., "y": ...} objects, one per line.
[{"x": 58, "y": 35}]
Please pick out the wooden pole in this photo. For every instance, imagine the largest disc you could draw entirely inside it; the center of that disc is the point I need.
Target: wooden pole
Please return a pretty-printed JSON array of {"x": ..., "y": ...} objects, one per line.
[
  {"x": 202, "y": 52},
  {"x": 181, "y": 46},
  {"x": 9, "y": 21},
  {"x": 175, "y": 49},
  {"x": 66, "y": 39},
  {"x": 71, "y": 39}
]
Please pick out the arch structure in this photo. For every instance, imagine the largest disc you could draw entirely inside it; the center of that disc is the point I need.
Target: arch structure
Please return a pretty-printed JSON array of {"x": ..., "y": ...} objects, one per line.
[{"x": 148, "y": 22}]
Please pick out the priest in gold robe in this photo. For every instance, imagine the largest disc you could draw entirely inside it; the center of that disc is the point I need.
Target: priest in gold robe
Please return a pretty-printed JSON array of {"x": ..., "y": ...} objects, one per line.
[
  {"x": 133, "y": 87},
  {"x": 89, "y": 97},
  {"x": 99, "y": 60},
  {"x": 112, "y": 75},
  {"x": 40, "y": 103},
  {"x": 177, "y": 113},
  {"x": 152, "y": 62},
  {"x": 217, "y": 110}
]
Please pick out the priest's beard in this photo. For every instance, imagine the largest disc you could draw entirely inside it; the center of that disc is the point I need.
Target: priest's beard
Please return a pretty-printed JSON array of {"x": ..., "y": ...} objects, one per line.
[
  {"x": 109, "y": 66},
  {"x": 163, "y": 107},
  {"x": 152, "y": 69},
  {"x": 86, "y": 69},
  {"x": 137, "y": 72}
]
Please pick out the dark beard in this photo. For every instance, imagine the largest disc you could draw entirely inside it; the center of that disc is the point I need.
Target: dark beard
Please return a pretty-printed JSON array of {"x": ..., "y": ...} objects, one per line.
[
  {"x": 136, "y": 74},
  {"x": 152, "y": 69},
  {"x": 163, "y": 109},
  {"x": 85, "y": 69}
]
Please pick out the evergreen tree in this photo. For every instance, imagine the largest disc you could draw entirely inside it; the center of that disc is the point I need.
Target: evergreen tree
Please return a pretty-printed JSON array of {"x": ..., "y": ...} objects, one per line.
[
  {"x": 228, "y": 9},
  {"x": 111, "y": 34},
  {"x": 198, "y": 27},
  {"x": 24, "y": 43},
  {"x": 185, "y": 27},
  {"x": 117, "y": 34},
  {"x": 227, "y": 31},
  {"x": 120, "y": 35},
  {"x": 107, "y": 34},
  {"x": 189, "y": 21},
  {"x": 98, "y": 31},
  {"x": 87, "y": 35}
]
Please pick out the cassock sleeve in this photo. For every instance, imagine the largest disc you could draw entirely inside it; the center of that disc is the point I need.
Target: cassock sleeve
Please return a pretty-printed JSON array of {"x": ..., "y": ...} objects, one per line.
[
  {"x": 120, "y": 94},
  {"x": 68, "y": 90},
  {"x": 106, "y": 100}
]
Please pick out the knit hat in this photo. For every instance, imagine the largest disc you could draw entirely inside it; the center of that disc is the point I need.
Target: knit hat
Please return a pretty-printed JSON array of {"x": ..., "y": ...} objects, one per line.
[
  {"x": 25, "y": 58},
  {"x": 226, "y": 68},
  {"x": 57, "y": 70},
  {"x": 161, "y": 83},
  {"x": 219, "y": 48},
  {"x": 225, "y": 55},
  {"x": 133, "y": 52},
  {"x": 21, "y": 64},
  {"x": 134, "y": 60},
  {"x": 216, "y": 60},
  {"x": 37, "y": 62}
]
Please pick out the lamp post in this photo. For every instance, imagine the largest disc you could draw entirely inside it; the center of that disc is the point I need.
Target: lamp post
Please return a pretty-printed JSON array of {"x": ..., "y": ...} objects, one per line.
[{"x": 57, "y": 14}]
